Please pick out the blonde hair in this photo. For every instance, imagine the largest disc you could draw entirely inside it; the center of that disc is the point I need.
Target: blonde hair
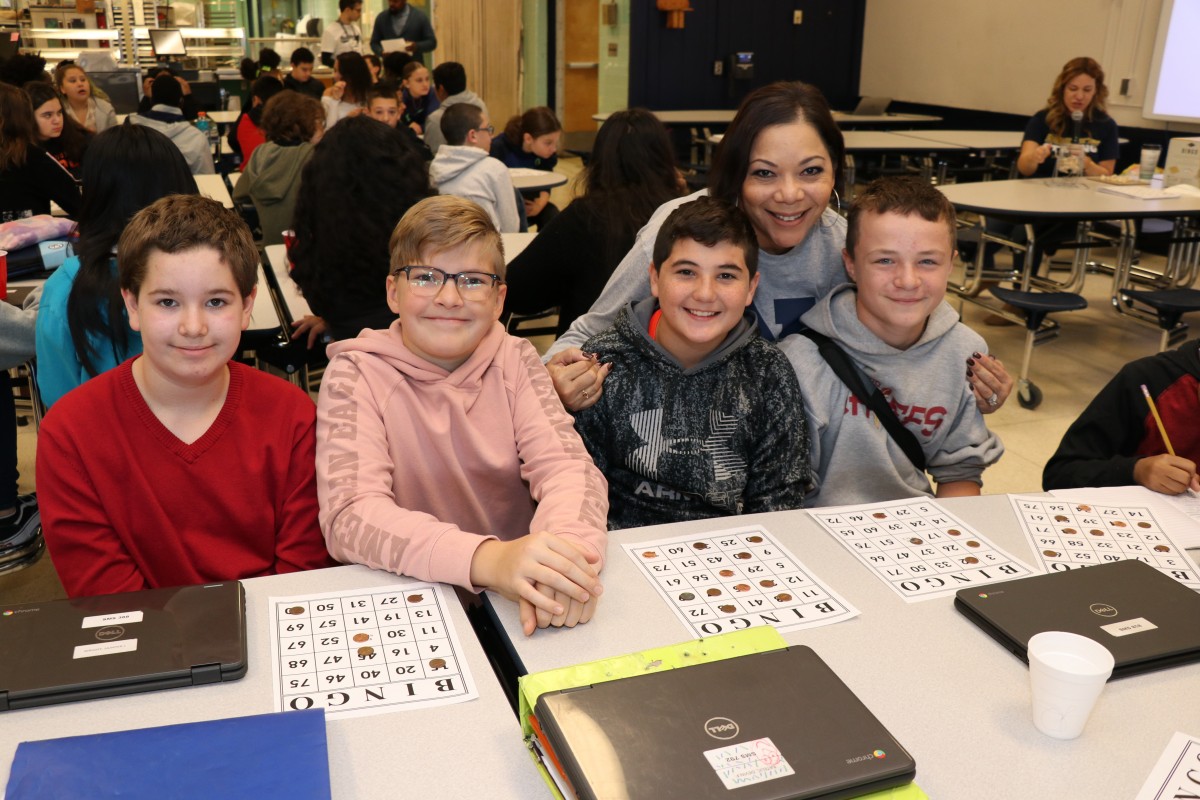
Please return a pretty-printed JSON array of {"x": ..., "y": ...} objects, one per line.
[{"x": 441, "y": 223}]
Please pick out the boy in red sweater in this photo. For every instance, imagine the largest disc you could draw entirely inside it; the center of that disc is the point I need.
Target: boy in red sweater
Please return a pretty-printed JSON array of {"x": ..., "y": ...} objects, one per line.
[{"x": 179, "y": 466}]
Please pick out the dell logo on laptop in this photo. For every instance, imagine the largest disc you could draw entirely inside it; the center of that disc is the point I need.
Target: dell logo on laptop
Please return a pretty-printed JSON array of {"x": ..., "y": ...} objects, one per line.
[
  {"x": 1102, "y": 610},
  {"x": 721, "y": 728}
]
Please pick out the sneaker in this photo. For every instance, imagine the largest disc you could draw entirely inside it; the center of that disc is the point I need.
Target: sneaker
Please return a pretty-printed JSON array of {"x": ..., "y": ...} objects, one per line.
[{"x": 20, "y": 528}]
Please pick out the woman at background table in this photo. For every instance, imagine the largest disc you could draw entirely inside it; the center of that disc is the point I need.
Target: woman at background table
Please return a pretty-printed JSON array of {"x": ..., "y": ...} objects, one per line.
[
  {"x": 631, "y": 173},
  {"x": 1079, "y": 87},
  {"x": 82, "y": 329},
  {"x": 83, "y": 106},
  {"x": 30, "y": 178},
  {"x": 780, "y": 160},
  {"x": 57, "y": 133},
  {"x": 360, "y": 180}
]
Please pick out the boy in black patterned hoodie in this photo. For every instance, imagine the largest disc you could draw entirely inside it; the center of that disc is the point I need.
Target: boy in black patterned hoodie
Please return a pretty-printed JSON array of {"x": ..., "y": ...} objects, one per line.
[{"x": 699, "y": 417}]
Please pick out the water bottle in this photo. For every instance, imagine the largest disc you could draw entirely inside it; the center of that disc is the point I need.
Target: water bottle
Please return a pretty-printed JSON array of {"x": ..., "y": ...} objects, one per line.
[{"x": 202, "y": 124}]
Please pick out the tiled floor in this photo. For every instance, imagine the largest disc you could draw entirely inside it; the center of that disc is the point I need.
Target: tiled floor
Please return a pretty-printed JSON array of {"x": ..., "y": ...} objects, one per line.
[{"x": 1069, "y": 370}]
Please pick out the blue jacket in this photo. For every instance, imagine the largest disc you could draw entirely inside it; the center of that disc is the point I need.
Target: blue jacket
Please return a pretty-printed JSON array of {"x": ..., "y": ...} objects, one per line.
[{"x": 58, "y": 367}]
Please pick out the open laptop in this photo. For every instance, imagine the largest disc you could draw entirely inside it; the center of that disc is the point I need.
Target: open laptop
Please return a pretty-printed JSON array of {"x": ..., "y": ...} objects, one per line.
[
  {"x": 89, "y": 647},
  {"x": 872, "y": 106},
  {"x": 772, "y": 725},
  {"x": 1145, "y": 618}
]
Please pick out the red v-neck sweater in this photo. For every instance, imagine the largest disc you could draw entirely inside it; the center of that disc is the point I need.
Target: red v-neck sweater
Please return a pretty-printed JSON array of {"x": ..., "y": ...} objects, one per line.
[{"x": 127, "y": 506}]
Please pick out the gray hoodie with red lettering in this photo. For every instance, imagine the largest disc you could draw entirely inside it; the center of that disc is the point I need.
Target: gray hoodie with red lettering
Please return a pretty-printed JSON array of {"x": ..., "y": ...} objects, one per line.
[{"x": 853, "y": 458}]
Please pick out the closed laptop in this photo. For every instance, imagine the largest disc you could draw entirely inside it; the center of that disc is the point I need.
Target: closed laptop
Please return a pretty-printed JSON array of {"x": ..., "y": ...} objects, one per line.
[
  {"x": 89, "y": 647},
  {"x": 772, "y": 725},
  {"x": 1147, "y": 619}
]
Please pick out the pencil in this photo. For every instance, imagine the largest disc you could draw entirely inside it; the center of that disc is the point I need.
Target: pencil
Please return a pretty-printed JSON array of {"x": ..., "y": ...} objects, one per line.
[{"x": 1157, "y": 419}]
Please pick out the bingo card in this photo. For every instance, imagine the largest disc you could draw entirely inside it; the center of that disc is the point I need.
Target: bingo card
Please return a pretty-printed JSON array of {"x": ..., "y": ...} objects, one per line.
[
  {"x": 367, "y": 651},
  {"x": 918, "y": 548},
  {"x": 1068, "y": 534},
  {"x": 735, "y": 579}
]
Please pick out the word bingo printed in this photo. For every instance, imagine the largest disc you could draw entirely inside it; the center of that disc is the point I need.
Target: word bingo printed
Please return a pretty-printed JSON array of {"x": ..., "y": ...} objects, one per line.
[
  {"x": 367, "y": 651},
  {"x": 919, "y": 548},
  {"x": 1066, "y": 535},
  {"x": 736, "y": 579}
]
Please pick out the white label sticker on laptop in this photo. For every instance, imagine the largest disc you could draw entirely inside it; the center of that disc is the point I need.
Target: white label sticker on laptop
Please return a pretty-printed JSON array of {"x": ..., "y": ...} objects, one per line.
[
  {"x": 123, "y": 618},
  {"x": 1129, "y": 626},
  {"x": 748, "y": 763},
  {"x": 105, "y": 648}
]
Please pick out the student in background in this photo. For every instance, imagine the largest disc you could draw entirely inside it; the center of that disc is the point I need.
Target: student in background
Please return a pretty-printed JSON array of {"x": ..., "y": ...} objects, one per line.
[
  {"x": 248, "y": 129},
  {"x": 344, "y": 34},
  {"x": 463, "y": 167},
  {"x": 166, "y": 117},
  {"x": 375, "y": 66},
  {"x": 1116, "y": 440},
  {"x": 189, "y": 107},
  {"x": 906, "y": 345},
  {"x": 384, "y": 105},
  {"x": 531, "y": 140},
  {"x": 29, "y": 177},
  {"x": 700, "y": 417},
  {"x": 450, "y": 86},
  {"x": 419, "y": 98},
  {"x": 348, "y": 94},
  {"x": 394, "y": 64},
  {"x": 630, "y": 173},
  {"x": 360, "y": 180},
  {"x": 58, "y": 134},
  {"x": 504, "y": 495},
  {"x": 82, "y": 329},
  {"x": 212, "y": 459},
  {"x": 83, "y": 106},
  {"x": 403, "y": 21},
  {"x": 300, "y": 79},
  {"x": 293, "y": 123},
  {"x": 19, "y": 515}
]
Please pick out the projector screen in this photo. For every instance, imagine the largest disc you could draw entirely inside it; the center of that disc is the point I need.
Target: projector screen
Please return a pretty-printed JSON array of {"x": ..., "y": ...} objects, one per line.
[{"x": 1174, "y": 90}]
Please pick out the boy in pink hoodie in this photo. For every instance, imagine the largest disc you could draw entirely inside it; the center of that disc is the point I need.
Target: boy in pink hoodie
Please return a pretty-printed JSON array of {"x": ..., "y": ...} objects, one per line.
[{"x": 443, "y": 452}]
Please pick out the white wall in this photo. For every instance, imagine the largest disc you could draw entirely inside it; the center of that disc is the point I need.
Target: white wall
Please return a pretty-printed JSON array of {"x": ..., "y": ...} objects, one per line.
[{"x": 1003, "y": 55}]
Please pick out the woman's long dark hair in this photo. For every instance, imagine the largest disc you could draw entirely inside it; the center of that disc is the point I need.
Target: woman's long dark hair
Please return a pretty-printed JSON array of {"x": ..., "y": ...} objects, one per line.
[
  {"x": 354, "y": 71},
  {"x": 17, "y": 127},
  {"x": 128, "y": 168},
  {"x": 631, "y": 173},
  {"x": 345, "y": 214},
  {"x": 73, "y": 140},
  {"x": 779, "y": 103}
]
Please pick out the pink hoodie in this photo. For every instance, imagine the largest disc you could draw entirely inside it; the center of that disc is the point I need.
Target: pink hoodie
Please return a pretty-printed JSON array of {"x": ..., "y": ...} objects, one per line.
[{"x": 417, "y": 467}]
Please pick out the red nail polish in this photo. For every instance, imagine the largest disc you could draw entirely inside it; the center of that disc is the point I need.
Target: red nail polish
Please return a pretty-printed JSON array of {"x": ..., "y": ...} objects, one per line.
[{"x": 970, "y": 374}]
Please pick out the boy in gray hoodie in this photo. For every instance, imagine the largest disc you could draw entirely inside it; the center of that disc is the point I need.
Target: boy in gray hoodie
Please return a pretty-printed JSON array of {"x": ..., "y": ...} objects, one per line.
[
  {"x": 450, "y": 84},
  {"x": 463, "y": 168},
  {"x": 699, "y": 417},
  {"x": 904, "y": 340}
]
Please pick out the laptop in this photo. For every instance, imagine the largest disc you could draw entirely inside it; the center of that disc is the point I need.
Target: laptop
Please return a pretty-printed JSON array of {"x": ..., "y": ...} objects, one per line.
[
  {"x": 1144, "y": 617},
  {"x": 772, "y": 725},
  {"x": 872, "y": 106},
  {"x": 89, "y": 647}
]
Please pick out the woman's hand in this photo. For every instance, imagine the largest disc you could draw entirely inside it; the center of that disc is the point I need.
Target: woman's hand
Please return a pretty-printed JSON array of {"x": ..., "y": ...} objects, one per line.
[
  {"x": 578, "y": 377},
  {"x": 336, "y": 90},
  {"x": 990, "y": 382},
  {"x": 315, "y": 327}
]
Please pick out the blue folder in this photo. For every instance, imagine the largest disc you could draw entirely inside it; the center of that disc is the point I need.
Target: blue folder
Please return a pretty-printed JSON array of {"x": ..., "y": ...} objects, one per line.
[{"x": 265, "y": 757}]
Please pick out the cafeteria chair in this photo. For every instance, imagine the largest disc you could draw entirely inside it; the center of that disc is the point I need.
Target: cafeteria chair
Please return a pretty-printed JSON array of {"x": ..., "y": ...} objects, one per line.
[
  {"x": 1169, "y": 306},
  {"x": 1037, "y": 306}
]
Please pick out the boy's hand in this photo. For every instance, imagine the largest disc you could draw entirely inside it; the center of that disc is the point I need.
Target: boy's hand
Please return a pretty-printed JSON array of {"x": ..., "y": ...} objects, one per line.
[
  {"x": 576, "y": 613},
  {"x": 578, "y": 378},
  {"x": 1166, "y": 474},
  {"x": 534, "y": 207},
  {"x": 990, "y": 382},
  {"x": 534, "y": 568}
]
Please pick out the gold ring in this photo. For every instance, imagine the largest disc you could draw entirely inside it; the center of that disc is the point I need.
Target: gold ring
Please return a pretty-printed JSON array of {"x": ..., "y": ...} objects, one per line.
[{"x": 585, "y": 394}]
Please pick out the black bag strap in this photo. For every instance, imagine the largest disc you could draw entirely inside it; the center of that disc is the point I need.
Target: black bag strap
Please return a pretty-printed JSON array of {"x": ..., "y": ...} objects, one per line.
[{"x": 844, "y": 368}]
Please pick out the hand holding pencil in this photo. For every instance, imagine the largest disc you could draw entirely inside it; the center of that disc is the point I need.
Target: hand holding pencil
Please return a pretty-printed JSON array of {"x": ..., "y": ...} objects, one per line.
[{"x": 1168, "y": 473}]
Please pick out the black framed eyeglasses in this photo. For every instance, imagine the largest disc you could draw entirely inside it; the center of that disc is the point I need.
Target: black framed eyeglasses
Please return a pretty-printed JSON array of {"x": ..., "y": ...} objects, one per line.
[
  {"x": 428, "y": 281},
  {"x": 490, "y": 130}
]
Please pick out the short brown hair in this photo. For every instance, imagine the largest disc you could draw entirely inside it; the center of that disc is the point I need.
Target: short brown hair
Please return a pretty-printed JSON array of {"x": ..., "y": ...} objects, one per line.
[
  {"x": 708, "y": 221},
  {"x": 904, "y": 196},
  {"x": 442, "y": 223},
  {"x": 178, "y": 223},
  {"x": 292, "y": 117}
]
